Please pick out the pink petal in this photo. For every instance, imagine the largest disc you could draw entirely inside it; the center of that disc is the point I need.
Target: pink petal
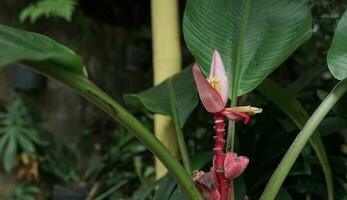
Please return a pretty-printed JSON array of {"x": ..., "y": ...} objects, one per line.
[
  {"x": 217, "y": 72},
  {"x": 209, "y": 97},
  {"x": 234, "y": 165},
  {"x": 236, "y": 116}
]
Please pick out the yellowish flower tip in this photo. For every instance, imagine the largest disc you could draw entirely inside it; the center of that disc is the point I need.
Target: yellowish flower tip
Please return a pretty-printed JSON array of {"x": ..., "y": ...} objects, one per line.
[
  {"x": 255, "y": 110},
  {"x": 247, "y": 109},
  {"x": 215, "y": 84}
]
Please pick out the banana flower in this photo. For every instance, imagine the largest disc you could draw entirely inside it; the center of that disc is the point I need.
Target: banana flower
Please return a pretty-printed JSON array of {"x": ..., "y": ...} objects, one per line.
[{"x": 214, "y": 92}]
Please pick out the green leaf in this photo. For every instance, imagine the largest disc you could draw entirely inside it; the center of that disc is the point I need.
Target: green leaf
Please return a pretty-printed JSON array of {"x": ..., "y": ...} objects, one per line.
[
  {"x": 240, "y": 188},
  {"x": 305, "y": 79},
  {"x": 33, "y": 189},
  {"x": 337, "y": 54},
  {"x": 3, "y": 142},
  {"x": 145, "y": 191},
  {"x": 33, "y": 136},
  {"x": 47, "y": 8},
  {"x": 200, "y": 159},
  {"x": 177, "y": 195},
  {"x": 166, "y": 188},
  {"x": 36, "y": 50},
  {"x": 10, "y": 154},
  {"x": 111, "y": 190},
  {"x": 285, "y": 101},
  {"x": 295, "y": 111},
  {"x": 253, "y": 37},
  {"x": 25, "y": 144},
  {"x": 176, "y": 97}
]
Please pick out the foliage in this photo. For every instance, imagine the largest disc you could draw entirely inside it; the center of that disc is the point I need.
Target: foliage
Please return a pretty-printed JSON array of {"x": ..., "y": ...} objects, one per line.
[
  {"x": 25, "y": 191},
  {"x": 177, "y": 97},
  {"x": 295, "y": 111},
  {"x": 253, "y": 37},
  {"x": 338, "y": 51},
  {"x": 55, "y": 60},
  {"x": 50, "y": 163},
  {"x": 48, "y": 8},
  {"x": 38, "y": 49},
  {"x": 263, "y": 37},
  {"x": 120, "y": 156},
  {"x": 18, "y": 133}
]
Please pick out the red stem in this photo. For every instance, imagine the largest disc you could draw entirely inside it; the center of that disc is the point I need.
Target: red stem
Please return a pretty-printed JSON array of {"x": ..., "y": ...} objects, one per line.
[{"x": 219, "y": 156}]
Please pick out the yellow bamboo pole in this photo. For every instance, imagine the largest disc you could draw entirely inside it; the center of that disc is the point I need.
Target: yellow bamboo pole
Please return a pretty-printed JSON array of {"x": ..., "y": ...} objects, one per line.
[{"x": 166, "y": 62}]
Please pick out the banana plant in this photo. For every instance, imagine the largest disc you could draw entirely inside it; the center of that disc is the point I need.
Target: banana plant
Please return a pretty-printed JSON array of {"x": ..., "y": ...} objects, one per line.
[{"x": 252, "y": 37}]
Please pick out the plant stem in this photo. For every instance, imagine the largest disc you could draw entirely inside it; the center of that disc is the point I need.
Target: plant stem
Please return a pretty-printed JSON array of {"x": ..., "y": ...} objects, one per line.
[
  {"x": 231, "y": 130},
  {"x": 87, "y": 89},
  {"x": 182, "y": 146},
  {"x": 300, "y": 141},
  {"x": 296, "y": 112},
  {"x": 183, "y": 150},
  {"x": 231, "y": 139}
]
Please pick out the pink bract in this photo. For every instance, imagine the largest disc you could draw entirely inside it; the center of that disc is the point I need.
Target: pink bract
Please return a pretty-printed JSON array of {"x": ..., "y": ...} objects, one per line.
[
  {"x": 209, "y": 97},
  {"x": 234, "y": 165},
  {"x": 217, "y": 72}
]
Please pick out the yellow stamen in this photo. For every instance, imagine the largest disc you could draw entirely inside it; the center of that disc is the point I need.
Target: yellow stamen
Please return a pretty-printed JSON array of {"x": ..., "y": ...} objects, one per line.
[
  {"x": 247, "y": 109},
  {"x": 215, "y": 84}
]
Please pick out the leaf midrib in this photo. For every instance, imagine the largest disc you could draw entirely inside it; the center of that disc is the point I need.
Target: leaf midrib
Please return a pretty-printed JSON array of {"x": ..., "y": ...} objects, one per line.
[
  {"x": 172, "y": 103},
  {"x": 236, "y": 71}
]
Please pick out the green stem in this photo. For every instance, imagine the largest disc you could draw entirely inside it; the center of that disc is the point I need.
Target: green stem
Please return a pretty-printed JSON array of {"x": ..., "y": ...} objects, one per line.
[
  {"x": 231, "y": 130},
  {"x": 87, "y": 89},
  {"x": 179, "y": 134},
  {"x": 231, "y": 139},
  {"x": 183, "y": 150},
  {"x": 300, "y": 141}
]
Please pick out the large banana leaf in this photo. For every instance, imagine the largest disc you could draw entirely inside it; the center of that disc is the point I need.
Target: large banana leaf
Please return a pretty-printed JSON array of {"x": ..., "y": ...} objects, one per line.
[
  {"x": 337, "y": 54},
  {"x": 176, "y": 97},
  {"x": 253, "y": 36},
  {"x": 290, "y": 105},
  {"x": 22, "y": 46}
]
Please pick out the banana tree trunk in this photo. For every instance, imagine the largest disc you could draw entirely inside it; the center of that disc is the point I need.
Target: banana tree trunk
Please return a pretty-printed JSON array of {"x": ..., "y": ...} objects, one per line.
[{"x": 166, "y": 62}]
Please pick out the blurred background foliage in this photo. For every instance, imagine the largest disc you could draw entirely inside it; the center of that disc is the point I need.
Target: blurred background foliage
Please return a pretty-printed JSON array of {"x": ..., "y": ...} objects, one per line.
[{"x": 54, "y": 145}]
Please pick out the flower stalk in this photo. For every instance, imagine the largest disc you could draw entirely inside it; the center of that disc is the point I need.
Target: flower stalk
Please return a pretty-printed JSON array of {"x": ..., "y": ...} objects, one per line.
[{"x": 219, "y": 156}]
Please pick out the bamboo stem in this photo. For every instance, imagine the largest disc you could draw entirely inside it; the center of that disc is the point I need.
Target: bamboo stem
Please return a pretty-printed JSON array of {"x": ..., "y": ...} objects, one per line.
[{"x": 166, "y": 62}]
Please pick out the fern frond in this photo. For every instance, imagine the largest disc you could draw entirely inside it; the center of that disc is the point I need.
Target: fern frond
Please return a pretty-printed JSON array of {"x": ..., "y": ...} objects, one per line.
[{"x": 48, "y": 8}]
